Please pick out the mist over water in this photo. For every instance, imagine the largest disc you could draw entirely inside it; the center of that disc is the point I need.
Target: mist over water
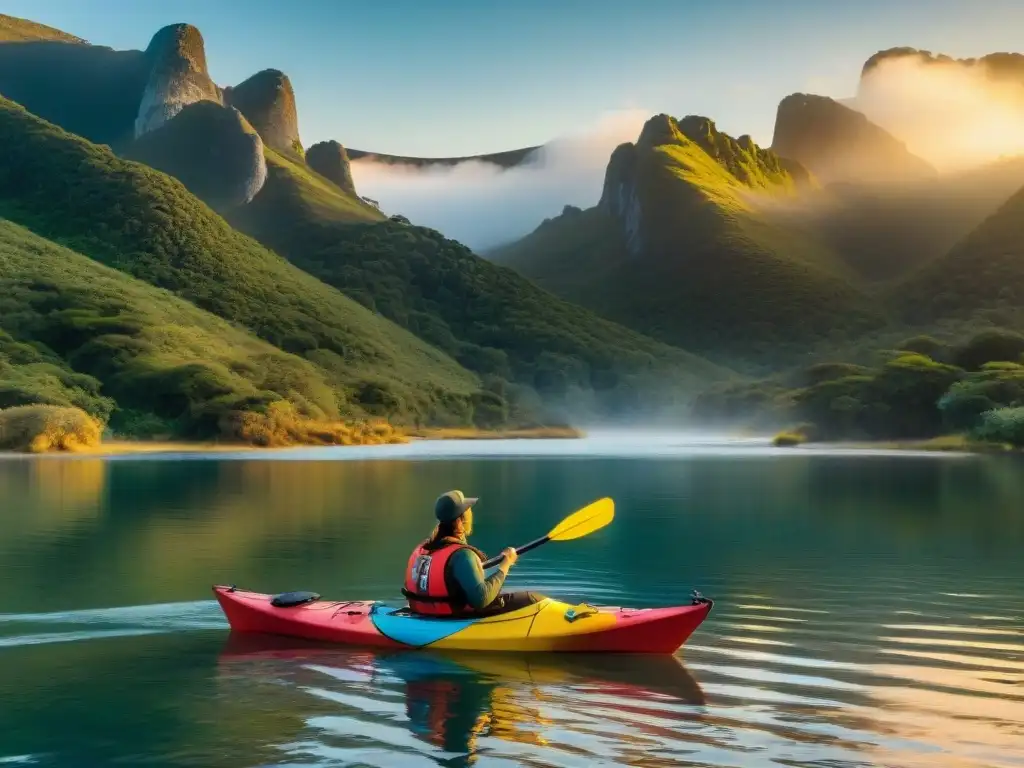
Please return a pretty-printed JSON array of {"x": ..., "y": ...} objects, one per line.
[
  {"x": 952, "y": 115},
  {"x": 483, "y": 205}
]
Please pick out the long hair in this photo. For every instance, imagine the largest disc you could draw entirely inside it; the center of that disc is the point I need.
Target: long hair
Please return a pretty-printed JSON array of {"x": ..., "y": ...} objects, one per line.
[{"x": 445, "y": 530}]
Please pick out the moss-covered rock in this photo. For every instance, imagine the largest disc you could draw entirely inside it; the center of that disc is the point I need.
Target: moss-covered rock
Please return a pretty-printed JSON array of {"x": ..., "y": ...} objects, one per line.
[
  {"x": 267, "y": 100},
  {"x": 329, "y": 159},
  {"x": 211, "y": 149}
]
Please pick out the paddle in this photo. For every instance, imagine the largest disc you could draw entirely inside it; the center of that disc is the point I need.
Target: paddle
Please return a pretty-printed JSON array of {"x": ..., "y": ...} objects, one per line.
[{"x": 580, "y": 523}]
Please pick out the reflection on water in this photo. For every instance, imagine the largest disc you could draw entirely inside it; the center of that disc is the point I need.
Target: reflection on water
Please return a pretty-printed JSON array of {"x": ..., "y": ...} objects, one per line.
[
  {"x": 869, "y": 612},
  {"x": 361, "y": 707}
]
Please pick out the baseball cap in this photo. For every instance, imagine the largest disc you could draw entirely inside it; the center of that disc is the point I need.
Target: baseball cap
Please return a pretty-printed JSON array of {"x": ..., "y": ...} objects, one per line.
[{"x": 452, "y": 505}]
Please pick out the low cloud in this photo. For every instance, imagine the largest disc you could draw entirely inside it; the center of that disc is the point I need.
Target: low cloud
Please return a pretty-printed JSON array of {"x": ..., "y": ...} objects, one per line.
[
  {"x": 953, "y": 115},
  {"x": 483, "y": 205}
]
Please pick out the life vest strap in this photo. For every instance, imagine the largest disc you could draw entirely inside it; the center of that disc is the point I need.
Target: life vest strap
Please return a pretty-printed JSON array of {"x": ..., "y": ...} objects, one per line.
[{"x": 428, "y": 598}]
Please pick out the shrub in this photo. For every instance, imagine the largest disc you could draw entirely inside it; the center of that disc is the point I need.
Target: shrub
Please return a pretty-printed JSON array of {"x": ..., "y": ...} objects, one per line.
[
  {"x": 1002, "y": 425},
  {"x": 821, "y": 372},
  {"x": 925, "y": 345},
  {"x": 997, "y": 385},
  {"x": 43, "y": 428},
  {"x": 490, "y": 410},
  {"x": 990, "y": 346},
  {"x": 788, "y": 439}
]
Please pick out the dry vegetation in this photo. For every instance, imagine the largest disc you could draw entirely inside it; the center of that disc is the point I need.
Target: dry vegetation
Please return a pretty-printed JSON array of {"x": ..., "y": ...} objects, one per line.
[
  {"x": 45, "y": 428},
  {"x": 281, "y": 425}
]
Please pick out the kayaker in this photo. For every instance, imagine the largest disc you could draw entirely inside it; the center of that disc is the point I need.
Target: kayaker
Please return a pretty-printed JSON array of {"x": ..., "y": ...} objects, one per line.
[{"x": 445, "y": 577}]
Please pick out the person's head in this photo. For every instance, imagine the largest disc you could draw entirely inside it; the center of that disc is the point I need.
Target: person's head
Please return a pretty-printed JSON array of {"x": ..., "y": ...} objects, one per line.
[{"x": 454, "y": 513}]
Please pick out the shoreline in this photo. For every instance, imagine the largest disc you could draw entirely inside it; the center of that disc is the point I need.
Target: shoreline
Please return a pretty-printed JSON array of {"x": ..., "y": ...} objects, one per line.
[
  {"x": 127, "y": 447},
  {"x": 943, "y": 444}
]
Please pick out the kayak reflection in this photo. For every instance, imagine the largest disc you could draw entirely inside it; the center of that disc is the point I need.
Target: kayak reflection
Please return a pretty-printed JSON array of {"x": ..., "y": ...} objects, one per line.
[{"x": 452, "y": 701}]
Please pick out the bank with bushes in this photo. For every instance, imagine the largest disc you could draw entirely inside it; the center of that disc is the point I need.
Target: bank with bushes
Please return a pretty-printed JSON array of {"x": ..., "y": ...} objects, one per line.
[{"x": 922, "y": 390}]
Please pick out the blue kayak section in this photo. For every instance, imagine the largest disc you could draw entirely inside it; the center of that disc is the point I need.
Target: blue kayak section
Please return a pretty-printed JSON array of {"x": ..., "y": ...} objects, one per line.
[{"x": 413, "y": 630}]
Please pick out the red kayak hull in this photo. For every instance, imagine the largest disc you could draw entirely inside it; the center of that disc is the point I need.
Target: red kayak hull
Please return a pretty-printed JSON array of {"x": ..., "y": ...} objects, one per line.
[{"x": 549, "y": 626}]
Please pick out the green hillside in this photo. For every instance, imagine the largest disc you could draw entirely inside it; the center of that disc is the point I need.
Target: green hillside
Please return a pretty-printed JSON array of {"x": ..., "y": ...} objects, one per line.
[
  {"x": 883, "y": 232},
  {"x": 984, "y": 271},
  {"x": 682, "y": 247},
  {"x": 74, "y": 332},
  {"x": 487, "y": 317},
  {"x": 15, "y": 30},
  {"x": 90, "y": 90},
  {"x": 147, "y": 225},
  {"x": 294, "y": 194}
]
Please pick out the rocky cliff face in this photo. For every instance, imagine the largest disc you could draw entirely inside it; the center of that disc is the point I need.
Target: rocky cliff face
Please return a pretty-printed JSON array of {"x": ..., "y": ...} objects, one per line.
[
  {"x": 620, "y": 198},
  {"x": 211, "y": 149},
  {"x": 177, "y": 77},
  {"x": 268, "y": 102},
  {"x": 329, "y": 159},
  {"x": 840, "y": 144}
]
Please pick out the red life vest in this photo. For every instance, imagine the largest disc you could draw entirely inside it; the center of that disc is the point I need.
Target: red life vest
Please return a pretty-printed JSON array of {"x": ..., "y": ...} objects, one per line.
[{"x": 426, "y": 582}]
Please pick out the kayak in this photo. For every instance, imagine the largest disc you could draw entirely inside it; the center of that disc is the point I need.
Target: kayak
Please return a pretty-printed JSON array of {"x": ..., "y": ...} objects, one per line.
[{"x": 547, "y": 626}]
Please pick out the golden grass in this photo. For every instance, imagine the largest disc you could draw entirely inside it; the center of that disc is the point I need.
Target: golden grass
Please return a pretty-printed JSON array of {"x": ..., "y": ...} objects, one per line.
[
  {"x": 948, "y": 443},
  {"x": 533, "y": 433},
  {"x": 45, "y": 428},
  {"x": 282, "y": 426}
]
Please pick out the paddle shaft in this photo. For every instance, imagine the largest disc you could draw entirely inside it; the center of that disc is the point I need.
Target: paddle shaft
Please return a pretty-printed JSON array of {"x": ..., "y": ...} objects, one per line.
[{"x": 493, "y": 561}]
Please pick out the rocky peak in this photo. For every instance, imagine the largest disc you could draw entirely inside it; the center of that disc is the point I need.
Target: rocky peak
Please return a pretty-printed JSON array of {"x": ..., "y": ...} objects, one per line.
[
  {"x": 699, "y": 129},
  {"x": 267, "y": 100},
  {"x": 840, "y": 144},
  {"x": 179, "y": 43},
  {"x": 330, "y": 160},
  {"x": 658, "y": 130},
  {"x": 177, "y": 76},
  {"x": 749, "y": 163}
]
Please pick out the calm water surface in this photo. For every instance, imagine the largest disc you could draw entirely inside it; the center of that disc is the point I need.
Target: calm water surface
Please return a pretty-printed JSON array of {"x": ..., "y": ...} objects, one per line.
[{"x": 869, "y": 608}]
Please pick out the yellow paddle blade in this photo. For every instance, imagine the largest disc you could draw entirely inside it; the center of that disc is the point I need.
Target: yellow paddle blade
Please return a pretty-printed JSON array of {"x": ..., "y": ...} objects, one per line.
[{"x": 585, "y": 521}]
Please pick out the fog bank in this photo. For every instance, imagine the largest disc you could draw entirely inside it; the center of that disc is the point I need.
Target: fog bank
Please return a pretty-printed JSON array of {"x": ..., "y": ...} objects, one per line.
[
  {"x": 483, "y": 205},
  {"x": 953, "y": 115}
]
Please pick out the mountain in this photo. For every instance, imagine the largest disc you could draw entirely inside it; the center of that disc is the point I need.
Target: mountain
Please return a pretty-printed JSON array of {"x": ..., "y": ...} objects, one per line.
[
  {"x": 238, "y": 149},
  {"x": 489, "y": 318},
  {"x": 682, "y": 246},
  {"x": 837, "y": 143},
  {"x": 149, "y": 226}
]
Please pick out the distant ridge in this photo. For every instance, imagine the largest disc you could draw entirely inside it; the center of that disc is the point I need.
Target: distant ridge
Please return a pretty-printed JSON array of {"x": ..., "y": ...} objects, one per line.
[{"x": 507, "y": 159}]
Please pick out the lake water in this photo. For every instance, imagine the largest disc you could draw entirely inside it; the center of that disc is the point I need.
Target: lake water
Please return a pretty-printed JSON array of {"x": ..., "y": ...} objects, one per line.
[{"x": 869, "y": 608}]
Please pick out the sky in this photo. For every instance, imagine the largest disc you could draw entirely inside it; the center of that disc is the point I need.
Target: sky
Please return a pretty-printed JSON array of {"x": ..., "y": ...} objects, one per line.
[{"x": 453, "y": 77}]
